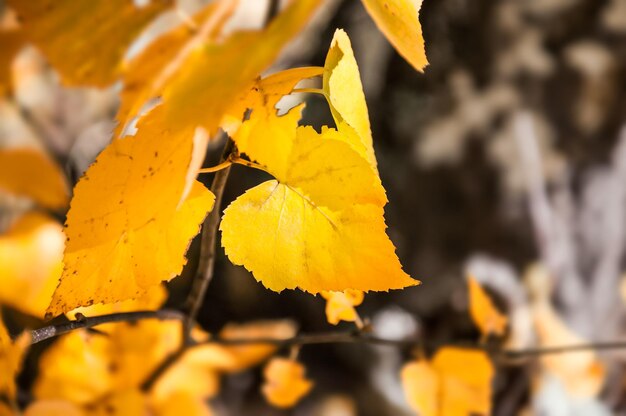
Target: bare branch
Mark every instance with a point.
(47, 332)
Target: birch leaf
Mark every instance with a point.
(340, 305)
(399, 21)
(130, 223)
(68, 31)
(11, 354)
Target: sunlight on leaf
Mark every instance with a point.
(129, 227)
(484, 314)
(28, 173)
(216, 70)
(399, 21)
(11, 41)
(67, 31)
(285, 382)
(53, 408)
(340, 305)
(456, 382)
(342, 85)
(31, 261)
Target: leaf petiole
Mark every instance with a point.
(215, 168)
(309, 90)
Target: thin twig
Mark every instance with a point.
(47, 332)
(206, 262)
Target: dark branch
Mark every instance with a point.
(47, 332)
(206, 262)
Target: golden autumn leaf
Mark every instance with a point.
(145, 73)
(455, 382)
(340, 305)
(285, 382)
(31, 255)
(29, 173)
(484, 314)
(83, 367)
(399, 21)
(216, 70)
(343, 89)
(421, 387)
(182, 404)
(132, 217)
(321, 220)
(11, 355)
(67, 31)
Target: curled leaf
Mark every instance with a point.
(484, 314)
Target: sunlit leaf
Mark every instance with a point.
(340, 305)
(216, 70)
(285, 382)
(456, 382)
(68, 32)
(342, 85)
(319, 227)
(484, 314)
(28, 173)
(31, 255)
(399, 21)
(53, 408)
(130, 223)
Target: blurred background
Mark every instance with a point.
(505, 159)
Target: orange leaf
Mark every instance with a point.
(130, 221)
(68, 32)
(483, 312)
(285, 383)
(455, 382)
(399, 21)
(31, 261)
(28, 173)
(11, 354)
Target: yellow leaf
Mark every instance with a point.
(421, 387)
(340, 305)
(216, 70)
(145, 73)
(5, 410)
(68, 32)
(11, 41)
(484, 314)
(83, 367)
(581, 372)
(130, 224)
(456, 382)
(264, 121)
(194, 374)
(53, 408)
(320, 227)
(74, 369)
(342, 86)
(28, 173)
(31, 254)
(11, 354)
(285, 383)
(399, 21)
